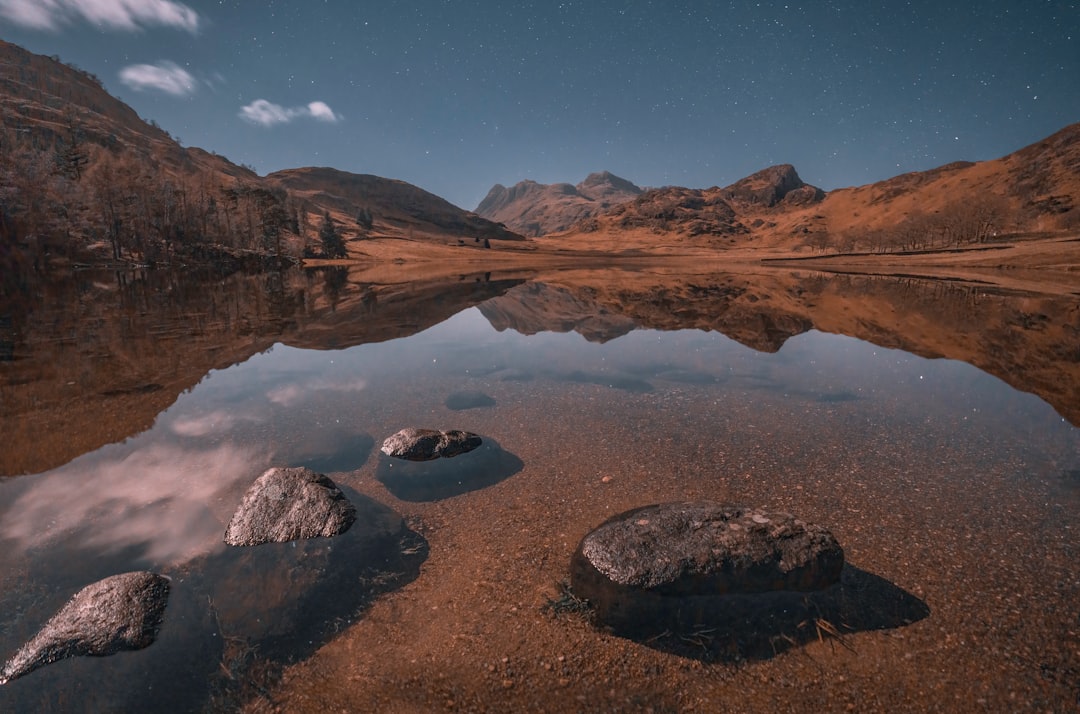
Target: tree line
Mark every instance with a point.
(62, 195)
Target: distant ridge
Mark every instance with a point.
(1035, 189)
(536, 209)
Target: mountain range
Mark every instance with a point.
(536, 209)
(83, 179)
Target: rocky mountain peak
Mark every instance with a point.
(537, 209)
(770, 186)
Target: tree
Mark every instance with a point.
(332, 243)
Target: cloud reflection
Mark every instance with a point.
(169, 501)
(289, 394)
(214, 422)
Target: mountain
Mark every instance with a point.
(605, 202)
(536, 209)
(771, 186)
(84, 179)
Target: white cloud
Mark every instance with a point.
(127, 15)
(166, 77)
(265, 113)
(322, 112)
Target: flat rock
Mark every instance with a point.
(699, 548)
(651, 559)
(427, 444)
(122, 612)
(287, 504)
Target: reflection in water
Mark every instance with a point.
(159, 498)
(824, 394)
(735, 628)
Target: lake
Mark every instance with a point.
(933, 427)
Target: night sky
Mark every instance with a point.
(457, 95)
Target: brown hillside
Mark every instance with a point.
(1036, 189)
(84, 179)
(395, 209)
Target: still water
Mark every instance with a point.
(932, 428)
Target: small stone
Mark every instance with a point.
(427, 444)
(460, 401)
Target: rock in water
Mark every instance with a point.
(290, 504)
(427, 444)
(648, 559)
(122, 612)
(460, 401)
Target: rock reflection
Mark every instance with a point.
(445, 478)
(734, 628)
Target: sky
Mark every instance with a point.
(458, 95)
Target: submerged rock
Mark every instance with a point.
(427, 444)
(460, 401)
(645, 562)
(290, 504)
(122, 612)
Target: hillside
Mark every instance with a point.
(83, 179)
(376, 207)
(536, 209)
(1035, 189)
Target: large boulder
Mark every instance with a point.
(427, 444)
(290, 504)
(122, 612)
(648, 562)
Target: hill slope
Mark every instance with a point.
(393, 208)
(83, 178)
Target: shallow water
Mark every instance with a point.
(137, 420)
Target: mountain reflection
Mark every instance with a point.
(95, 359)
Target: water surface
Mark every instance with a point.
(931, 427)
